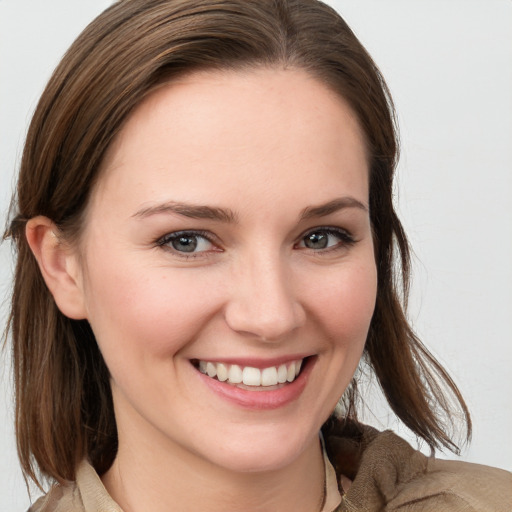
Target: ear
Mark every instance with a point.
(59, 266)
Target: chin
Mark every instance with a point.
(262, 451)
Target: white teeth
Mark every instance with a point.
(222, 372)
(269, 376)
(235, 374)
(211, 369)
(282, 373)
(291, 373)
(249, 376)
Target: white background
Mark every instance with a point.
(449, 67)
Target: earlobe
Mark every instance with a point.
(59, 266)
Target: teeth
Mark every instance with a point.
(269, 376)
(291, 373)
(250, 376)
(282, 373)
(211, 370)
(235, 374)
(222, 372)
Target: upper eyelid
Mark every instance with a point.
(329, 229)
(190, 232)
(215, 240)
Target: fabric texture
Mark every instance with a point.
(387, 475)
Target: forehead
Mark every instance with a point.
(256, 129)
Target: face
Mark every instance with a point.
(228, 268)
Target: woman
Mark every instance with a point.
(206, 241)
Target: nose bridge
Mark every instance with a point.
(262, 301)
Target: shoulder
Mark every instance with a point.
(86, 494)
(469, 486)
(388, 474)
(60, 498)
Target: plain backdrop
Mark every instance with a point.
(449, 66)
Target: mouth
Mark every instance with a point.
(257, 384)
(250, 377)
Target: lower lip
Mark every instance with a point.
(272, 399)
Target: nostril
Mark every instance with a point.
(267, 326)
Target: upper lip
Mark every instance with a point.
(255, 362)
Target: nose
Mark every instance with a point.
(262, 300)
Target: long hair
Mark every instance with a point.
(64, 409)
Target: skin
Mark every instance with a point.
(266, 145)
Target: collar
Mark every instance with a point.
(332, 494)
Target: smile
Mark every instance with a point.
(257, 385)
(250, 376)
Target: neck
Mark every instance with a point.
(177, 480)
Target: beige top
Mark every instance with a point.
(387, 473)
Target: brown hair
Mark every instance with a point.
(64, 408)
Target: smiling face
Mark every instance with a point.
(226, 244)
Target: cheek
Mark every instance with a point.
(139, 312)
(347, 302)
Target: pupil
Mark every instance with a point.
(316, 241)
(185, 244)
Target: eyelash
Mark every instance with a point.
(344, 237)
(345, 240)
(167, 239)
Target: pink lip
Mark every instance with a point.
(261, 400)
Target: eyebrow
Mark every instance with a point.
(226, 215)
(190, 211)
(333, 206)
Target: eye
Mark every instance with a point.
(325, 238)
(188, 242)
